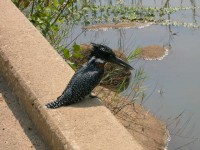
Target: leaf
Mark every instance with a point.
(70, 3)
(61, 20)
(55, 28)
(73, 65)
(86, 8)
(134, 54)
(62, 1)
(76, 51)
(55, 2)
(76, 47)
(66, 53)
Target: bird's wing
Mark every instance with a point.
(86, 82)
(77, 73)
(81, 86)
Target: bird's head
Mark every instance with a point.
(104, 53)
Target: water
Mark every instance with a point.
(178, 77)
(173, 82)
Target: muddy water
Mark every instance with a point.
(174, 82)
(175, 86)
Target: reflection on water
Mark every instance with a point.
(174, 83)
(177, 76)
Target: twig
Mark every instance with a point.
(32, 7)
(75, 38)
(61, 11)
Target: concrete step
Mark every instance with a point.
(37, 75)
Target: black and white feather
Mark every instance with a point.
(81, 85)
(87, 77)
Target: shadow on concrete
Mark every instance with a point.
(21, 116)
(87, 102)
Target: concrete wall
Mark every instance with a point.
(37, 75)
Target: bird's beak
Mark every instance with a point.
(121, 63)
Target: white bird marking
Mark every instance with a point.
(98, 60)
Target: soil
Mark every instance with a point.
(153, 52)
(150, 132)
(124, 24)
(16, 130)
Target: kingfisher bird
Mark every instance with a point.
(88, 76)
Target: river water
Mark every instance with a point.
(173, 84)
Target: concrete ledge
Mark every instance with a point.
(37, 75)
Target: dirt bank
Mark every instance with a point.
(153, 52)
(124, 24)
(149, 131)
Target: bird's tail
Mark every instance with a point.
(55, 104)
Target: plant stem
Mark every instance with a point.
(56, 19)
(75, 38)
(61, 11)
(32, 7)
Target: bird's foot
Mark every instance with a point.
(92, 95)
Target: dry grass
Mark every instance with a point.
(142, 125)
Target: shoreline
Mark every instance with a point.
(148, 130)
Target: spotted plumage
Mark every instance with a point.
(87, 77)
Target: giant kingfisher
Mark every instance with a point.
(87, 77)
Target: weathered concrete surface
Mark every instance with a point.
(16, 130)
(37, 75)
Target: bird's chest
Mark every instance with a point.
(99, 68)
